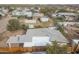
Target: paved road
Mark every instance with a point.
(3, 23)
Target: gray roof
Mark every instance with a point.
(52, 33)
(18, 39)
(65, 13)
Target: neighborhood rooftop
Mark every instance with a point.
(67, 14)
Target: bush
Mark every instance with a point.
(24, 27)
(13, 25)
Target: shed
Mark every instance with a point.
(44, 19)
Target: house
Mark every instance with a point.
(75, 45)
(31, 23)
(68, 18)
(75, 41)
(16, 13)
(68, 23)
(21, 12)
(64, 14)
(27, 13)
(44, 19)
(37, 38)
(31, 26)
(3, 11)
(37, 15)
(54, 15)
(67, 14)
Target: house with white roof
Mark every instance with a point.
(3, 11)
(37, 38)
(22, 13)
(31, 23)
(37, 15)
(54, 15)
(75, 42)
(68, 16)
(75, 45)
(44, 19)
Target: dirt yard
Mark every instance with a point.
(45, 24)
(5, 36)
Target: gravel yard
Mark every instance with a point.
(3, 23)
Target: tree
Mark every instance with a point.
(47, 10)
(24, 27)
(1, 37)
(62, 10)
(13, 25)
(56, 49)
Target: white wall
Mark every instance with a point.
(28, 44)
(43, 19)
(40, 41)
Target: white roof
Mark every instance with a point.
(31, 21)
(40, 40)
(28, 44)
(39, 37)
(43, 19)
(76, 41)
(22, 13)
(70, 23)
(68, 14)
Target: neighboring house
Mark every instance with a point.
(64, 14)
(68, 16)
(75, 45)
(28, 13)
(3, 11)
(44, 19)
(54, 15)
(75, 41)
(37, 15)
(31, 23)
(16, 13)
(68, 23)
(37, 38)
(22, 13)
